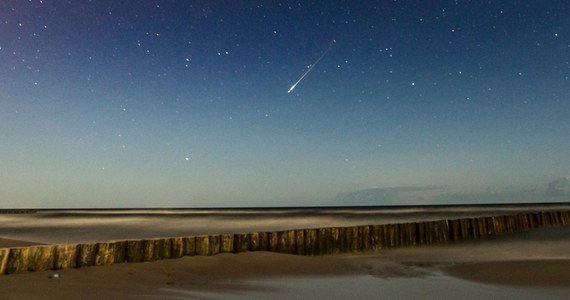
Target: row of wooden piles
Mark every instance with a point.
(320, 241)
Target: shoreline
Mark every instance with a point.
(524, 273)
(226, 275)
(446, 269)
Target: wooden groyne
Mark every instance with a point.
(318, 241)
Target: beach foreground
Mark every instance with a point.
(529, 265)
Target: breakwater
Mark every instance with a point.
(316, 241)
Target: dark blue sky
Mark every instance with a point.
(185, 103)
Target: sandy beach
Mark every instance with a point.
(528, 265)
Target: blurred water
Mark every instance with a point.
(75, 226)
(435, 286)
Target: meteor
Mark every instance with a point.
(310, 68)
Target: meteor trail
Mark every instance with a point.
(310, 68)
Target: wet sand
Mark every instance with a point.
(7, 243)
(263, 275)
(529, 265)
(541, 273)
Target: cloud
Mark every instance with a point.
(557, 190)
(403, 195)
(559, 187)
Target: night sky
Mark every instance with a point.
(186, 103)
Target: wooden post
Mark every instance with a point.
(335, 237)
(489, 225)
(375, 237)
(394, 233)
(531, 220)
(345, 239)
(134, 251)
(545, 219)
(253, 241)
(421, 233)
(120, 248)
(286, 241)
(215, 242)
(364, 237)
(105, 254)
(454, 230)
(443, 229)
(324, 243)
(165, 248)
(41, 258)
(227, 245)
(18, 260)
(465, 229)
(565, 215)
(203, 245)
(149, 250)
(4, 253)
(189, 244)
(86, 255)
(473, 228)
(177, 247)
(499, 224)
(413, 241)
(300, 242)
(273, 241)
(65, 256)
(263, 241)
(241, 242)
(311, 247)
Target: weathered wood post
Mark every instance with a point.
(203, 245)
(189, 244)
(227, 245)
(490, 226)
(215, 242)
(376, 237)
(272, 238)
(18, 260)
(443, 229)
(454, 230)
(499, 224)
(346, 239)
(324, 241)
(65, 256)
(241, 242)
(286, 241)
(134, 251)
(150, 250)
(166, 248)
(4, 253)
(422, 238)
(336, 240)
(403, 237)
(177, 247)
(254, 244)
(311, 243)
(263, 241)
(466, 232)
(120, 248)
(364, 237)
(300, 242)
(394, 235)
(105, 254)
(41, 258)
(86, 255)
(565, 217)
